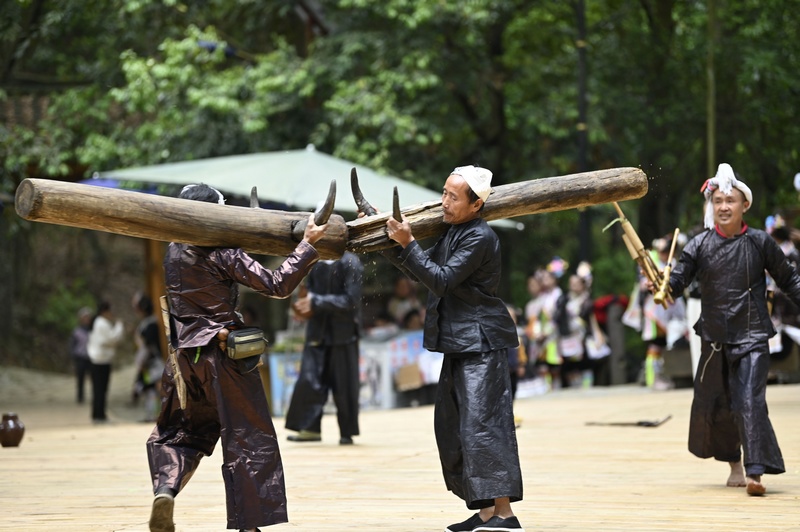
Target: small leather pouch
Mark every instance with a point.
(246, 343)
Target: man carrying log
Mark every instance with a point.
(465, 320)
(453, 276)
(224, 397)
(729, 419)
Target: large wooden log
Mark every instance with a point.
(517, 199)
(171, 219)
(271, 232)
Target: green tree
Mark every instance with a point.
(412, 88)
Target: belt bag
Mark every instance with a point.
(246, 343)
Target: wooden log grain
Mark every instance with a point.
(507, 201)
(168, 219)
(276, 232)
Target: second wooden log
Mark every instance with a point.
(517, 199)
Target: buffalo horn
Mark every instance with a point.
(321, 216)
(362, 204)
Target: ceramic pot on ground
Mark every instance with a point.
(11, 430)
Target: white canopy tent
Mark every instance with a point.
(298, 179)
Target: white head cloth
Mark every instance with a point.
(479, 179)
(220, 197)
(725, 181)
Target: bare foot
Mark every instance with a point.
(754, 486)
(736, 479)
(486, 513)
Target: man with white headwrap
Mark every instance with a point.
(729, 419)
(465, 320)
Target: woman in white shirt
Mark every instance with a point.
(104, 337)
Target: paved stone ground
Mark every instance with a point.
(70, 475)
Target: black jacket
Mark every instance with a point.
(730, 272)
(462, 273)
(335, 288)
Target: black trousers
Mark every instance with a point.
(729, 410)
(101, 378)
(474, 425)
(323, 370)
(83, 367)
(222, 403)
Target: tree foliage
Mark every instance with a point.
(413, 88)
(408, 87)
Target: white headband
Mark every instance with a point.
(220, 197)
(725, 181)
(479, 179)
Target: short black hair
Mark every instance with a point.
(102, 306)
(410, 314)
(144, 304)
(781, 233)
(200, 192)
(472, 197)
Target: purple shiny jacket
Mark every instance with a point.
(203, 286)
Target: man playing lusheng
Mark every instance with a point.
(225, 397)
(729, 410)
(465, 320)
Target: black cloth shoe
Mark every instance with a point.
(345, 440)
(466, 526)
(305, 435)
(498, 524)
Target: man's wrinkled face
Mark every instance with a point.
(729, 209)
(455, 201)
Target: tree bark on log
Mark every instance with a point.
(171, 219)
(275, 232)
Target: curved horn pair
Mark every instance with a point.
(364, 206)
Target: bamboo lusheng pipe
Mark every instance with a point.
(270, 232)
(663, 292)
(168, 219)
(641, 256)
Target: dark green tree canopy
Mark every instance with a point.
(412, 88)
